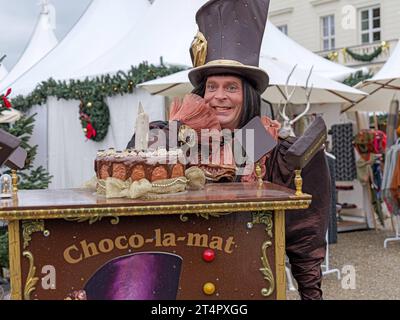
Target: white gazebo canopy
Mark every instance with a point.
(324, 90)
(382, 88)
(41, 42)
(98, 30)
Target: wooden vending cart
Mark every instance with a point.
(226, 241)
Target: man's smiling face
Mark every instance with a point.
(225, 95)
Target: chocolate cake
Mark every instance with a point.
(152, 165)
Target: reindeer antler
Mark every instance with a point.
(288, 95)
(308, 92)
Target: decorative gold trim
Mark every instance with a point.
(29, 227)
(298, 181)
(266, 218)
(15, 260)
(14, 181)
(204, 215)
(266, 271)
(199, 49)
(317, 145)
(259, 175)
(114, 220)
(31, 280)
(279, 217)
(155, 209)
(187, 135)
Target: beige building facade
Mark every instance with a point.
(332, 28)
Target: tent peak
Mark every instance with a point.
(41, 42)
(45, 6)
(48, 9)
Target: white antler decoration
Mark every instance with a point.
(287, 128)
(308, 92)
(288, 96)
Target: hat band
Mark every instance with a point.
(225, 63)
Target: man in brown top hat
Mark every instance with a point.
(228, 86)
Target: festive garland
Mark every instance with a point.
(364, 57)
(334, 55)
(93, 112)
(357, 77)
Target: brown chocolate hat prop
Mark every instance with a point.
(17, 159)
(8, 144)
(137, 276)
(255, 140)
(305, 148)
(229, 41)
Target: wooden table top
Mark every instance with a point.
(214, 198)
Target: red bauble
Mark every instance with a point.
(208, 255)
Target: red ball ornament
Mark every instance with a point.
(208, 255)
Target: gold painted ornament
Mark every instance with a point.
(209, 288)
(198, 50)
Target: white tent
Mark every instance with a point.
(169, 35)
(166, 30)
(58, 132)
(280, 47)
(100, 28)
(382, 88)
(41, 42)
(3, 72)
(324, 90)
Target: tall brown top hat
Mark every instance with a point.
(229, 41)
(137, 276)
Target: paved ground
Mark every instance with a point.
(377, 270)
(4, 290)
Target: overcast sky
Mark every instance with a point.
(18, 19)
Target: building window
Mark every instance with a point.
(283, 29)
(371, 25)
(328, 32)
